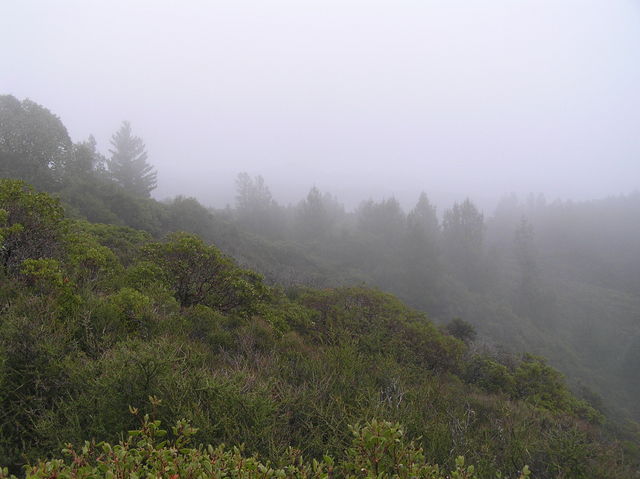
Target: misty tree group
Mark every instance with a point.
(35, 146)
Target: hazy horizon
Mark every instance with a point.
(361, 99)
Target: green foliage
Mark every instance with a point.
(45, 275)
(379, 322)
(210, 327)
(541, 385)
(34, 144)
(33, 378)
(145, 275)
(124, 242)
(132, 309)
(201, 274)
(31, 225)
(490, 375)
(378, 450)
(84, 161)
(90, 263)
(187, 214)
(459, 328)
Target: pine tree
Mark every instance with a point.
(256, 209)
(312, 220)
(463, 236)
(128, 163)
(420, 253)
(527, 293)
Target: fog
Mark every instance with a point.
(360, 98)
(477, 160)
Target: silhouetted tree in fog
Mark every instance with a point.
(423, 216)
(463, 236)
(523, 248)
(384, 221)
(312, 219)
(128, 163)
(84, 160)
(420, 253)
(256, 209)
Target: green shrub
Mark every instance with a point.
(132, 310)
(379, 450)
(490, 375)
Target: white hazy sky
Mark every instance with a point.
(361, 98)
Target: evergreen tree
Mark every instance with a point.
(420, 255)
(384, 221)
(128, 163)
(312, 221)
(523, 248)
(424, 218)
(530, 298)
(463, 235)
(256, 209)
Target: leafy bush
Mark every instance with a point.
(201, 274)
(379, 450)
(490, 375)
(30, 225)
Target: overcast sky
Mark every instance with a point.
(361, 98)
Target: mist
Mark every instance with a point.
(273, 220)
(362, 99)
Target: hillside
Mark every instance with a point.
(276, 326)
(99, 319)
